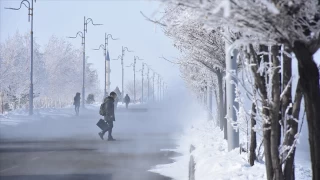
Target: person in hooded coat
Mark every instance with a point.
(109, 115)
(76, 103)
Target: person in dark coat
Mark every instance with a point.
(76, 103)
(127, 100)
(109, 115)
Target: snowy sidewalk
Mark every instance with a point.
(212, 159)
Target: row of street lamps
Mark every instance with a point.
(104, 47)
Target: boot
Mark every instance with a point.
(101, 135)
(110, 138)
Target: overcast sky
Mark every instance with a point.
(122, 19)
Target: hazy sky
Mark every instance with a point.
(122, 19)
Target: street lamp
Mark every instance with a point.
(142, 76)
(83, 36)
(30, 16)
(107, 69)
(134, 75)
(159, 87)
(154, 75)
(148, 77)
(121, 57)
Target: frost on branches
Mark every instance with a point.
(266, 33)
(57, 72)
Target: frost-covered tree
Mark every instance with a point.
(292, 23)
(57, 72)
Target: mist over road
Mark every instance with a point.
(59, 145)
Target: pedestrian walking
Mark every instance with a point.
(107, 110)
(76, 103)
(127, 100)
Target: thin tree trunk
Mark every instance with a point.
(309, 79)
(290, 136)
(220, 105)
(288, 123)
(261, 83)
(225, 121)
(275, 126)
(253, 141)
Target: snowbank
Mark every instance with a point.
(212, 159)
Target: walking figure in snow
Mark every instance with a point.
(119, 95)
(127, 100)
(76, 103)
(107, 110)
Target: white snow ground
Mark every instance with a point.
(213, 161)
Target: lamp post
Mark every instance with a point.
(134, 75)
(2, 108)
(107, 69)
(148, 73)
(159, 88)
(154, 75)
(30, 16)
(122, 65)
(83, 36)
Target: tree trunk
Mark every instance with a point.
(275, 107)
(289, 125)
(261, 83)
(220, 94)
(253, 141)
(309, 79)
(225, 121)
(290, 136)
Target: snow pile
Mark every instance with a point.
(18, 116)
(212, 159)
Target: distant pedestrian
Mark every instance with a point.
(127, 100)
(108, 113)
(76, 103)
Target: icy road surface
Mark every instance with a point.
(56, 145)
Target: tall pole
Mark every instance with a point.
(159, 83)
(142, 82)
(30, 15)
(105, 65)
(31, 73)
(134, 79)
(122, 66)
(107, 69)
(2, 95)
(83, 36)
(122, 73)
(84, 61)
(161, 98)
(231, 66)
(148, 83)
(153, 85)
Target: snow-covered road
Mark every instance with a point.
(56, 144)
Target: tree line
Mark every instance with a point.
(268, 35)
(57, 72)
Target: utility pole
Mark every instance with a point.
(148, 83)
(210, 101)
(159, 88)
(2, 108)
(231, 66)
(107, 69)
(134, 75)
(154, 74)
(122, 66)
(83, 36)
(30, 15)
(142, 82)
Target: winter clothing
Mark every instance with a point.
(109, 116)
(127, 100)
(76, 103)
